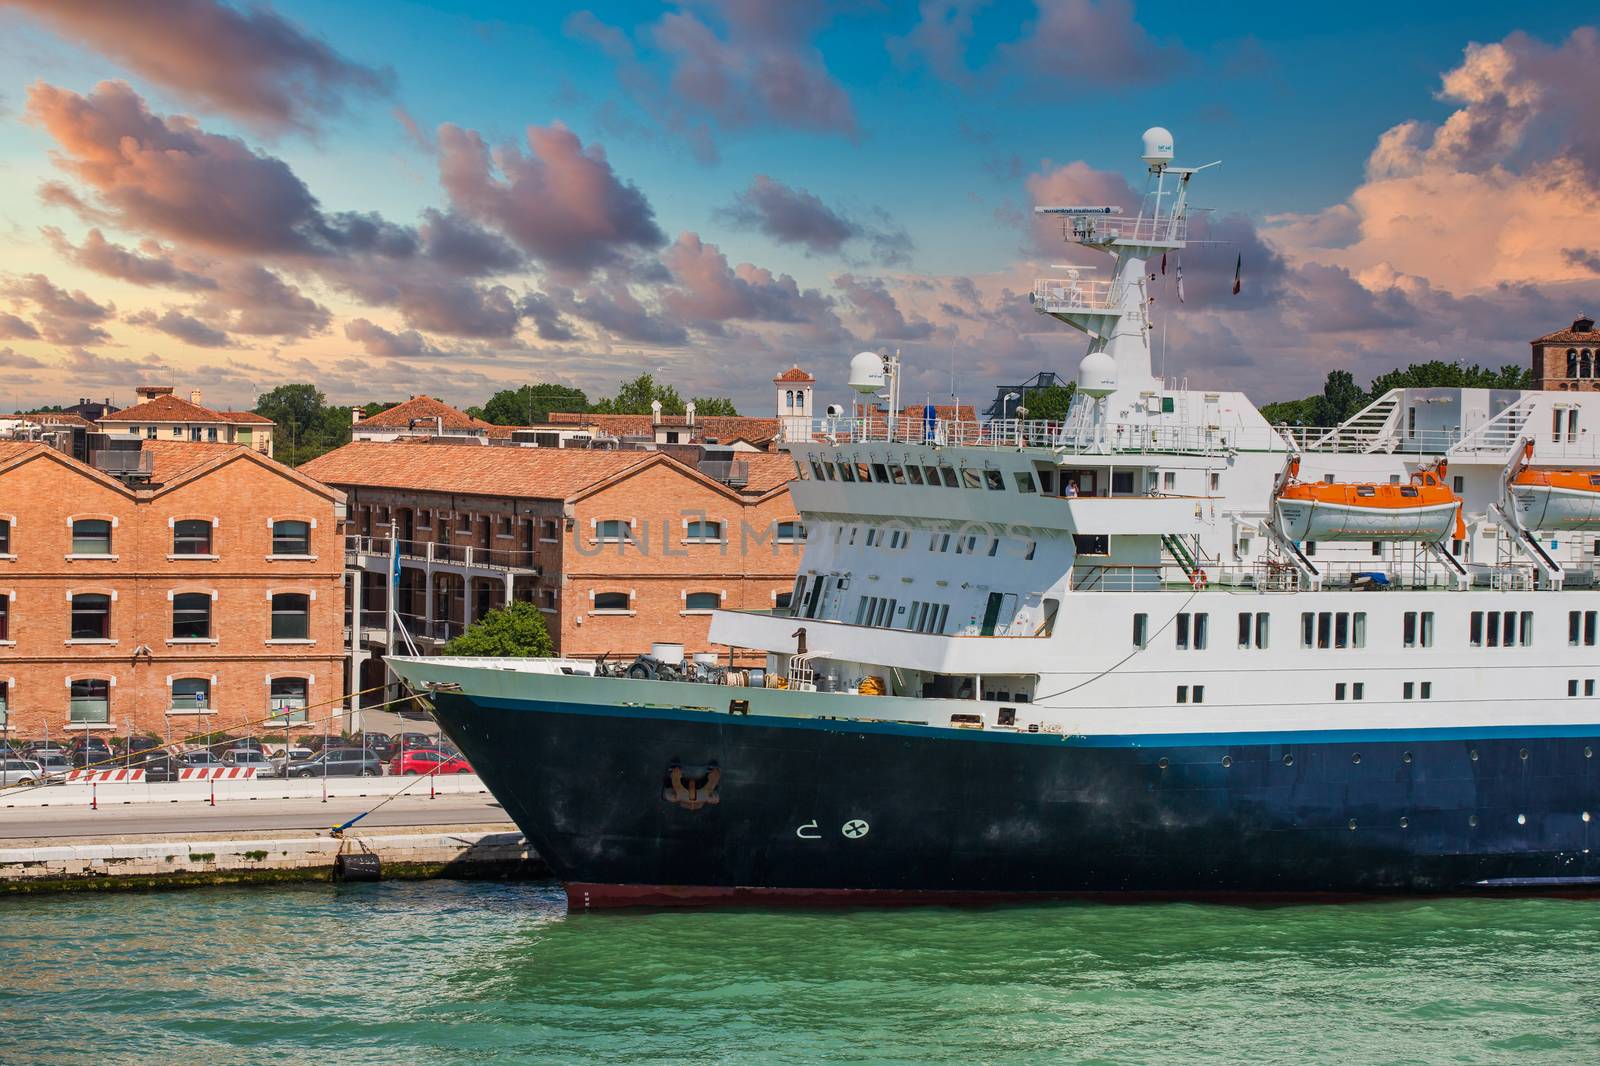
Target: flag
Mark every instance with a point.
(1237, 264)
(1180, 283)
(1163, 262)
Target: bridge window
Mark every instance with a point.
(1024, 481)
(913, 474)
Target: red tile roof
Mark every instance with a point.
(540, 473)
(246, 418)
(1581, 331)
(794, 373)
(164, 409)
(172, 459)
(57, 418)
(400, 416)
(768, 470)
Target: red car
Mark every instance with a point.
(427, 761)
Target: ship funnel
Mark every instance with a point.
(1157, 147)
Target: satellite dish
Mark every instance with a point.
(1097, 375)
(1157, 146)
(866, 373)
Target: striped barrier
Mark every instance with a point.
(215, 773)
(102, 776)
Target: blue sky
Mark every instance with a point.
(945, 153)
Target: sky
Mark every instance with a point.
(391, 197)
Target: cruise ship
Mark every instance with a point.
(1160, 649)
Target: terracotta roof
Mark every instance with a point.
(794, 373)
(768, 470)
(1581, 331)
(947, 411)
(57, 418)
(401, 415)
(722, 427)
(172, 459)
(543, 473)
(165, 409)
(245, 418)
(11, 449)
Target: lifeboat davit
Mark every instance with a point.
(1425, 510)
(1557, 499)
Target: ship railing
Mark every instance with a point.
(1140, 229)
(1257, 577)
(1076, 294)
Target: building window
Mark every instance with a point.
(547, 531)
(91, 702)
(191, 693)
(191, 536)
(91, 536)
(702, 531)
(149, 432)
(613, 531)
(191, 616)
(211, 434)
(5, 616)
(1253, 629)
(287, 701)
(790, 532)
(611, 601)
(291, 616)
(291, 536)
(5, 536)
(91, 616)
(782, 600)
(702, 601)
(1417, 629)
(1191, 630)
(5, 703)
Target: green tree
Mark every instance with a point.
(634, 398)
(516, 630)
(713, 405)
(530, 404)
(1049, 404)
(1341, 397)
(306, 425)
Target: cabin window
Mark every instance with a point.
(816, 469)
(1253, 629)
(863, 474)
(930, 474)
(1091, 544)
(970, 478)
(1191, 630)
(880, 473)
(1356, 691)
(1191, 693)
(1500, 629)
(913, 474)
(897, 474)
(1141, 630)
(1047, 482)
(948, 475)
(1024, 481)
(1581, 627)
(1333, 629)
(1417, 629)
(1408, 491)
(994, 481)
(1366, 490)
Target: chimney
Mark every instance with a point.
(355, 416)
(688, 410)
(655, 412)
(194, 397)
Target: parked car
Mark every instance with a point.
(222, 747)
(248, 757)
(158, 765)
(337, 762)
(39, 748)
(91, 751)
(55, 766)
(200, 757)
(428, 761)
(382, 743)
(20, 772)
(407, 741)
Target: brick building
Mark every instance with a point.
(620, 548)
(159, 415)
(201, 592)
(1568, 359)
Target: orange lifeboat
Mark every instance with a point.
(1425, 510)
(1555, 499)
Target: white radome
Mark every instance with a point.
(866, 372)
(1157, 145)
(1097, 375)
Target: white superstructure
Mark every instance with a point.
(1125, 571)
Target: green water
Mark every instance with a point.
(442, 972)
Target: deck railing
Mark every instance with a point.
(520, 560)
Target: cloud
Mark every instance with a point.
(252, 64)
(157, 267)
(708, 292)
(795, 216)
(562, 204)
(1075, 183)
(16, 329)
(731, 65)
(62, 317)
(611, 305)
(939, 39)
(175, 323)
(871, 300)
(1092, 43)
(1587, 258)
(382, 343)
(11, 359)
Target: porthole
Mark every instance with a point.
(1352, 823)
(1523, 754)
(1586, 816)
(1472, 819)
(1162, 762)
(1288, 760)
(1227, 761)
(1473, 754)
(1356, 758)
(1404, 822)
(1588, 753)
(1405, 756)
(1522, 819)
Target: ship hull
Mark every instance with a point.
(771, 810)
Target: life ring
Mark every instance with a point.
(1198, 579)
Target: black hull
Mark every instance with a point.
(804, 811)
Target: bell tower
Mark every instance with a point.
(794, 402)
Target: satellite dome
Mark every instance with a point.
(1097, 375)
(866, 373)
(1157, 146)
